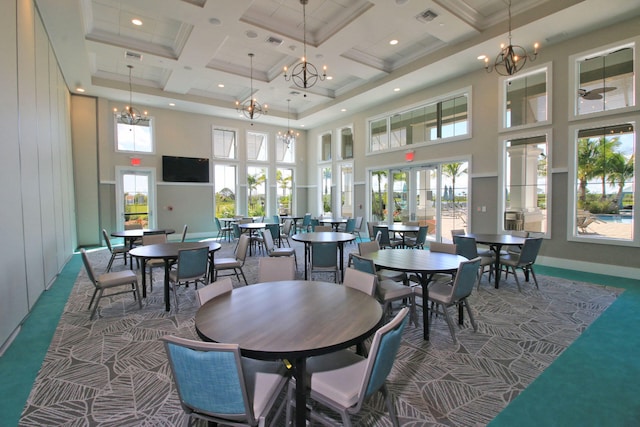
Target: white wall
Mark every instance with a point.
(37, 215)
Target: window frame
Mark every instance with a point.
(574, 78)
(507, 80)
(572, 193)
(503, 158)
(214, 128)
(266, 185)
(152, 132)
(321, 159)
(265, 149)
(341, 149)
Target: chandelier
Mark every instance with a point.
(289, 135)
(251, 108)
(304, 74)
(511, 58)
(131, 115)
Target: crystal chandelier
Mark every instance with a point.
(251, 108)
(511, 58)
(289, 135)
(131, 115)
(304, 74)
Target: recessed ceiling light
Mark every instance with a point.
(481, 57)
(393, 42)
(251, 34)
(79, 89)
(397, 89)
(301, 126)
(329, 77)
(343, 110)
(172, 104)
(215, 21)
(220, 85)
(136, 21)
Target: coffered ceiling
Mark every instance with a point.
(194, 53)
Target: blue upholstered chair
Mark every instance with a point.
(216, 384)
(467, 247)
(193, 267)
(324, 257)
(343, 380)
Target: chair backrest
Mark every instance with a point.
(306, 220)
(212, 290)
(412, 223)
(370, 230)
(382, 355)
(363, 264)
(236, 230)
(350, 226)
(274, 229)
(153, 238)
(133, 226)
(384, 235)
(421, 238)
(356, 279)
(314, 222)
(243, 246)
(268, 240)
(193, 263)
(466, 278)
(245, 220)
(358, 223)
(218, 225)
(448, 248)
(324, 254)
(88, 267)
(184, 233)
(319, 228)
(276, 219)
(273, 269)
(368, 247)
(107, 240)
(209, 378)
(530, 250)
(466, 246)
(286, 227)
(457, 232)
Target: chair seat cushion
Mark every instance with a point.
(222, 263)
(512, 260)
(390, 290)
(396, 276)
(263, 378)
(116, 278)
(341, 385)
(440, 292)
(282, 252)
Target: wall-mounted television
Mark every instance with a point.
(185, 169)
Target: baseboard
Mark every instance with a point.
(9, 340)
(590, 267)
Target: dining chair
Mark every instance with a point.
(383, 274)
(214, 289)
(273, 251)
(106, 281)
(360, 280)
(420, 239)
(276, 269)
(516, 249)
(447, 248)
(358, 228)
(384, 239)
(324, 258)
(153, 238)
(445, 295)
(184, 233)
(235, 263)
(287, 228)
(223, 232)
(524, 260)
(372, 236)
(134, 226)
(306, 222)
(235, 227)
(116, 251)
(350, 226)
(216, 384)
(274, 229)
(322, 228)
(467, 247)
(387, 291)
(193, 267)
(342, 381)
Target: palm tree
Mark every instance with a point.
(453, 170)
(620, 171)
(379, 175)
(606, 151)
(284, 184)
(587, 165)
(253, 182)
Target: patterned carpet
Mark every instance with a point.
(113, 371)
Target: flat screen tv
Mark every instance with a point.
(185, 169)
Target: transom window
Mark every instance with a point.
(224, 143)
(433, 122)
(257, 146)
(325, 147)
(525, 99)
(138, 138)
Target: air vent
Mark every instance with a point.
(426, 16)
(274, 41)
(294, 93)
(132, 56)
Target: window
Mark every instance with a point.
(435, 121)
(346, 190)
(284, 182)
(285, 151)
(325, 182)
(525, 99)
(256, 190)
(603, 189)
(257, 146)
(378, 186)
(225, 189)
(525, 184)
(134, 138)
(604, 80)
(325, 147)
(224, 143)
(346, 143)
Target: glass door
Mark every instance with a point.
(135, 198)
(400, 200)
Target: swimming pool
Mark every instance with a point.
(624, 219)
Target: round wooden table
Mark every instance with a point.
(403, 229)
(421, 262)
(252, 226)
(496, 242)
(324, 237)
(335, 222)
(131, 236)
(290, 320)
(169, 252)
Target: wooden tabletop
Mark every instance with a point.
(253, 225)
(415, 260)
(289, 319)
(333, 220)
(496, 239)
(138, 232)
(403, 228)
(170, 249)
(323, 237)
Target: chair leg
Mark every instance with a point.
(515, 274)
(388, 398)
(243, 276)
(136, 294)
(111, 262)
(472, 320)
(95, 307)
(93, 297)
(533, 273)
(447, 317)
